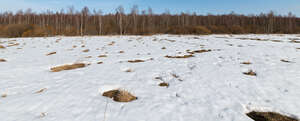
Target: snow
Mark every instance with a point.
(208, 87)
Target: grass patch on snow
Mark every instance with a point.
(269, 116)
(119, 95)
(68, 67)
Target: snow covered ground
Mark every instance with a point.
(210, 86)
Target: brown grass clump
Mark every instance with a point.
(2, 60)
(250, 73)
(120, 95)
(4, 95)
(100, 62)
(246, 63)
(283, 60)
(183, 56)
(87, 50)
(269, 116)
(135, 61)
(51, 53)
(121, 52)
(102, 56)
(295, 41)
(112, 43)
(163, 48)
(13, 44)
(41, 90)
(164, 84)
(199, 51)
(2, 47)
(68, 67)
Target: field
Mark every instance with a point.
(170, 77)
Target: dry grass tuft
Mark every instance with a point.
(294, 41)
(120, 95)
(198, 51)
(12, 44)
(102, 56)
(100, 62)
(164, 84)
(4, 95)
(112, 43)
(2, 47)
(283, 60)
(250, 73)
(51, 53)
(246, 63)
(276, 40)
(183, 56)
(2, 60)
(163, 48)
(121, 52)
(68, 67)
(86, 50)
(136, 61)
(269, 116)
(41, 90)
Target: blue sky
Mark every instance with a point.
(175, 6)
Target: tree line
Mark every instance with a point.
(71, 22)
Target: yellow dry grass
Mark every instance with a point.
(68, 67)
(119, 95)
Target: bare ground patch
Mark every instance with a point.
(68, 67)
(269, 116)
